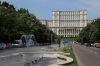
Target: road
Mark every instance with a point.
(6, 52)
(87, 56)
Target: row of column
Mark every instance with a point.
(68, 31)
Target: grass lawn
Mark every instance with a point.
(74, 63)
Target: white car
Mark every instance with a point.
(18, 43)
(2, 45)
(94, 45)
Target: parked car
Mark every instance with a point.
(8, 45)
(2, 46)
(97, 45)
(92, 44)
(81, 43)
(87, 44)
(18, 43)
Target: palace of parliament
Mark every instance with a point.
(67, 23)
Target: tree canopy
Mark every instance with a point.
(91, 33)
(16, 22)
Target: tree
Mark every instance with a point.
(90, 33)
(14, 23)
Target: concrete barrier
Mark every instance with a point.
(61, 53)
(61, 57)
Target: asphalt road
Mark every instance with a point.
(87, 56)
(6, 52)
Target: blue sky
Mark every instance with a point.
(42, 9)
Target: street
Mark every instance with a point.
(87, 56)
(18, 50)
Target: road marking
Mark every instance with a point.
(15, 54)
(96, 52)
(90, 50)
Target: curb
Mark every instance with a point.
(15, 54)
(61, 55)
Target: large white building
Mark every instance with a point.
(67, 23)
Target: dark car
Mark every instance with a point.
(88, 44)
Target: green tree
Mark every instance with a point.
(14, 23)
(90, 33)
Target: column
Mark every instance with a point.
(63, 31)
(57, 31)
(66, 32)
(74, 31)
(71, 32)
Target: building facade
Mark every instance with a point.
(67, 23)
